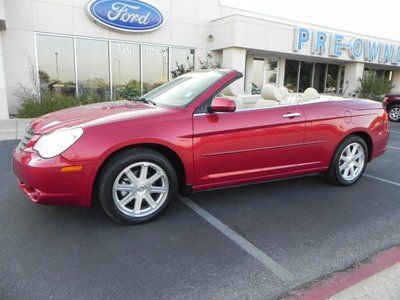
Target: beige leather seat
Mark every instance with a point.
(284, 92)
(227, 92)
(270, 96)
(310, 94)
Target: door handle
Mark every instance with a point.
(292, 115)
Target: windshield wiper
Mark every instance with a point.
(144, 100)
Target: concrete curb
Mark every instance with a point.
(364, 278)
(12, 129)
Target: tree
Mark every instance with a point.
(373, 86)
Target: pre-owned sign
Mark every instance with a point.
(125, 15)
(322, 43)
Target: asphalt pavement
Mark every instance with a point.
(224, 244)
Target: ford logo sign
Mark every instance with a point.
(125, 15)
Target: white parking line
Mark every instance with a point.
(267, 261)
(383, 180)
(391, 147)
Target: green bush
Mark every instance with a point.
(373, 86)
(33, 106)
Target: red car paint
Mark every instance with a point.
(215, 149)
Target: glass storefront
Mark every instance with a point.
(125, 70)
(264, 71)
(332, 79)
(325, 78)
(319, 81)
(306, 75)
(291, 75)
(155, 72)
(107, 69)
(388, 74)
(56, 64)
(93, 68)
(181, 61)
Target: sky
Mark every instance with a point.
(375, 18)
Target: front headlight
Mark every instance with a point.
(55, 143)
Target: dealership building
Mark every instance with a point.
(76, 46)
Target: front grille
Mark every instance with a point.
(28, 135)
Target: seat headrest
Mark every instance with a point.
(270, 92)
(310, 94)
(227, 91)
(284, 92)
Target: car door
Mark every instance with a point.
(247, 145)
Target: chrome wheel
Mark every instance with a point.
(351, 162)
(394, 113)
(140, 189)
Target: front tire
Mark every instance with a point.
(394, 113)
(136, 185)
(349, 162)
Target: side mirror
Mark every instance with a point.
(221, 104)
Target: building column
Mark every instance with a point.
(235, 58)
(396, 81)
(352, 75)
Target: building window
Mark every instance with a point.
(93, 68)
(106, 69)
(319, 77)
(181, 61)
(257, 75)
(263, 71)
(306, 74)
(332, 79)
(299, 76)
(125, 70)
(291, 75)
(271, 71)
(155, 66)
(56, 64)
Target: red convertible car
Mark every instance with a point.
(193, 134)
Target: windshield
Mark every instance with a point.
(183, 89)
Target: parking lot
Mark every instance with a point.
(249, 242)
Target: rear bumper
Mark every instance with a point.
(43, 181)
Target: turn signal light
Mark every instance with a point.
(71, 169)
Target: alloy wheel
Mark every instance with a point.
(394, 113)
(351, 162)
(140, 189)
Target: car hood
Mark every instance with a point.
(94, 114)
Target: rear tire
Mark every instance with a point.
(136, 185)
(394, 113)
(349, 162)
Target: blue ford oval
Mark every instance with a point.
(125, 15)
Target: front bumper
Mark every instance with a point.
(43, 181)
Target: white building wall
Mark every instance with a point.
(187, 24)
(353, 74)
(235, 58)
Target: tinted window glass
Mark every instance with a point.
(155, 66)
(125, 67)
(182, 61)
(56, 63)
(93, 71)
